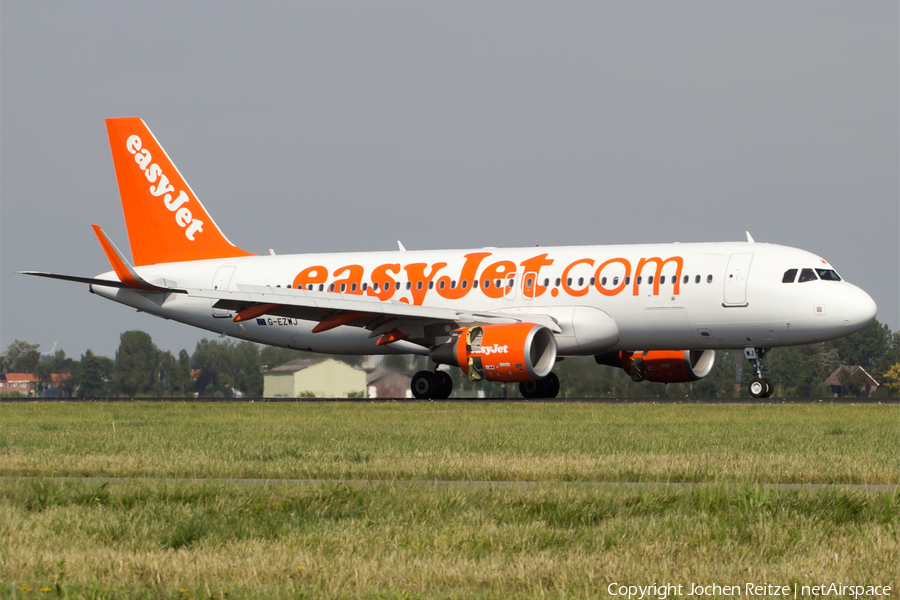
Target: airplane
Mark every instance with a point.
(657, 311)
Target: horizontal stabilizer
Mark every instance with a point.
(100, 282)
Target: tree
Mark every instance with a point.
(135, 370)
(865, 347)
(58, 365)
(93, 375)
(891, 379)
(20, 357)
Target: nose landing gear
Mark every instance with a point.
(760, 387)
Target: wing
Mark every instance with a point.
(389, 321)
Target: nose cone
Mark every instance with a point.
(859, 309)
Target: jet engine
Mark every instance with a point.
(512, 352)
(662, 366)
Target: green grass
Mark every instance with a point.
(387, 539)
(150, 540)
(827, 443)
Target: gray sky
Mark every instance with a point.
(344, 126)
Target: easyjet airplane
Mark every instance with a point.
(658, 311)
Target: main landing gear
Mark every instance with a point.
(760, 387)
(438, 385)
(548, 387)
(432, 385)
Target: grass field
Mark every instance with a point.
(528, 442)
(147, 539)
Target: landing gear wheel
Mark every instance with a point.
(530, 389)
(551, 386)
(758, 387)
(548, 387)
(424, 385)
(770, 389)
(445, 385)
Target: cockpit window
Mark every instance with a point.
(828, 275)
(789, 276)
(807, 275)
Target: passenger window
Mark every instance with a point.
(498, 283)
(528, 282)
(558, 280)
(396, 285)
(807, 275)
(568, 281)
(474, 283)
(697, 279)
(365, 286)
(686, 279)
(603, 281)
(628, 280)
(510, 283)
(343, 287)
(331, 288)
(789, 276)
(452, 284)
(709, 279)
(662, 279)
(352, 287)
(638, 279)
(546, 282)
(321, 286)
(289, 286)
(409, 285)
(486, 284)
(824, 275)
(650, 279)
(441, 284)
(430, 285)
(616, 280)
(593, 281)
(465, 283)
(418, 285)
(580, 281)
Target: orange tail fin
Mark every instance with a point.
(165, 220)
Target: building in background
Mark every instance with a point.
(851, 381)
(319, 377)
(387, 383)
(21, 383)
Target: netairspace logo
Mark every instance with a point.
(750, 590)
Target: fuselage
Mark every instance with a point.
(604, 298)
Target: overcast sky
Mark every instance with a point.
(336, 126)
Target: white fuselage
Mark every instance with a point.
(689, 296)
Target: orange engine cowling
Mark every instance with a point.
(513, 352)
(662, 366)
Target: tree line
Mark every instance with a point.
(225, 368)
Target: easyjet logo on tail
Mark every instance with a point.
(160, 186)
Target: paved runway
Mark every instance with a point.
(492, 400)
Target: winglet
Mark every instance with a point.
(124, 271)
(750, 239)
(400, 246)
